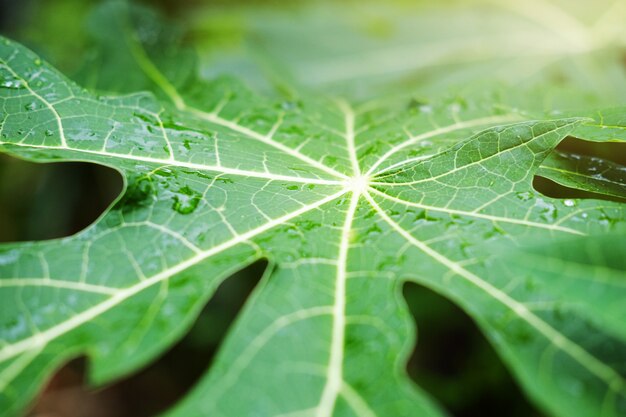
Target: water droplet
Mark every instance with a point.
(30, 106)
(569, 203)
(426, 109)
(390, 263)
(9, 256)
(524, 196)
(224, 180)
(293, 232)
(139, 194)
(307, 225)
(186, 200)
(607, 220)
(290, 105)
(330, 160)
(415, 103)
(16, 84)
(423, 217)
(494, 232)
(292, 187)
(164, 172)
(530, 284)
(49, 132)
(373, 230)
(547, 211)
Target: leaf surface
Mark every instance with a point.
(559, 51)
(585, 173)
(346, 200)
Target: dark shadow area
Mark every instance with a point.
(552, 189)
(610, 151)
(12, 14)
(163, 383)
(613, 151)
(46, 201)
(455, 363)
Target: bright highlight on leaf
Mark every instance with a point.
(347, 199)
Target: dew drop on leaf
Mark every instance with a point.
(394, 214)
(547, 211)
(308, 225)
(524, 196)
(423, 217)
(186, 200)
(426, 109)
(12, 83)
(331, 160)
(569, 203)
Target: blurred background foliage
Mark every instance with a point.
(538, 55)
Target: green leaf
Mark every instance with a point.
(594, 267)
(346, 200)
(586, 173)
(608, 125)
(552, 53)
(556, 51)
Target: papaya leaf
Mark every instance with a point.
(347, 200)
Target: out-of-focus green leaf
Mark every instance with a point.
(586, 173)
(556, 47)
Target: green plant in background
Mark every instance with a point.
(347, 195)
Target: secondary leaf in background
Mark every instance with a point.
(551, 53)
(585, 173)
(558, 49)
(591, 173)
(217, 178)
